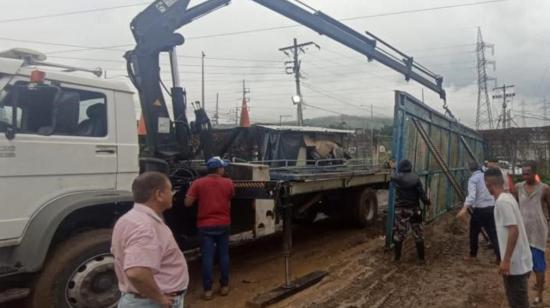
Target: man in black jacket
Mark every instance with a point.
(408, 215)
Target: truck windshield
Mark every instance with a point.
(34, 106)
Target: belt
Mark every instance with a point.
(484, 208)
(175, 293)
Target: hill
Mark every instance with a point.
(347, 122)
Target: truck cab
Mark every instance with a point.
(68, 155)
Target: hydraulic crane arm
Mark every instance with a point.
(326, 25)
(154, 33)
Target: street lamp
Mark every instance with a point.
(296, 99)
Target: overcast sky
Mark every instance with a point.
(337, 78)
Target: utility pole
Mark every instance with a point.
(237, 109)
(246, 95)
(202, 83)
(523, 122)
(505, 94)
(545, 112)
(484, 114)
(245, 92)
(373, 147)
(217, 114)
(245, 116)
(293, 68)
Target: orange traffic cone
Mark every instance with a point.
(245, 119)
(142, 130)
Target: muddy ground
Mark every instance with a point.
(362, 273)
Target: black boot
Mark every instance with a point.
(397, 250)
(420, 252)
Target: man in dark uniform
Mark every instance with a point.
(408, 214)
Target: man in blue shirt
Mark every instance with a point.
(482, 204)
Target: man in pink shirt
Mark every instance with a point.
(150, 267)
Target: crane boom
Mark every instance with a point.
(154, 33)
(336, 30)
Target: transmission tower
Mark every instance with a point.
(484, 114)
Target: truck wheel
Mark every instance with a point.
(364, 207)
(78, 273)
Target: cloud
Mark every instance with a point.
(442, 40)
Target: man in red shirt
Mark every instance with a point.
(213, 193)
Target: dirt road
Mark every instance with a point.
(362, 273)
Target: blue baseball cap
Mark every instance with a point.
(216, 162)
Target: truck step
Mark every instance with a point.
(13, 294)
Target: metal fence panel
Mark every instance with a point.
(446, 136)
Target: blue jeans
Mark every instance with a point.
(214, 239)
(128, 300)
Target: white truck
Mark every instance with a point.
(68, 155)
(69, 152)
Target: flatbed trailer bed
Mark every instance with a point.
(294, 181)
(304, 183)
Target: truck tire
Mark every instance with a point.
(363, 207)
(78, 273)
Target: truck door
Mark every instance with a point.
(64, 141)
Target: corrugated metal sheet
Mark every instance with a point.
(445, 134)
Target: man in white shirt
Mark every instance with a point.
(515, 253)
(481, 205)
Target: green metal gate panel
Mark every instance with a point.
(445, 134)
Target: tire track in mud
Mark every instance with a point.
(365, 276)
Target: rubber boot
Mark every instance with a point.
(397, 250)
(420, 252)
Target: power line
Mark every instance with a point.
(326, 94)
(443, 47)
(73, 13)
(264, 69)
(59, 44)
(289, 26)
(323, 109)
(425, 9)
(403, 12)
(317, 76)
(167, 64)
(331, 96)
